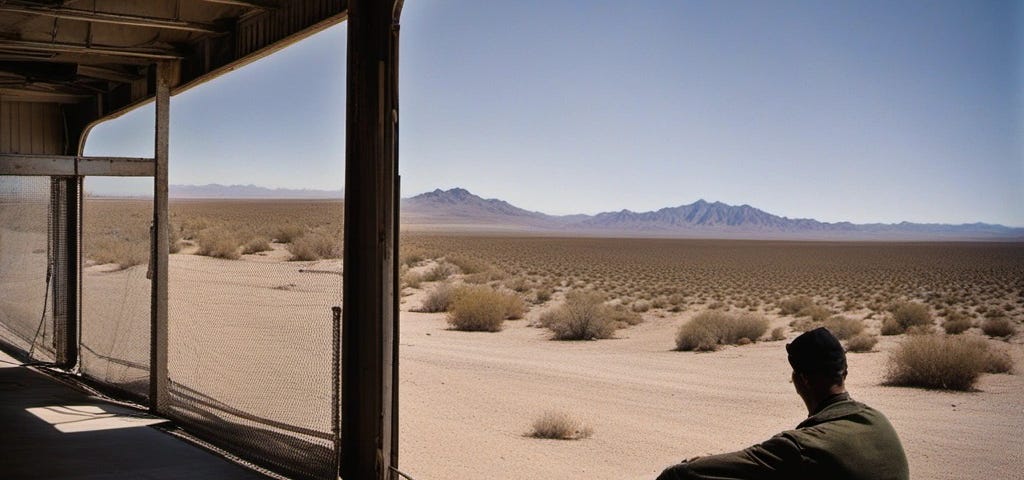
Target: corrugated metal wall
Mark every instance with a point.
(31, 128)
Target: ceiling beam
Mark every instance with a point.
(110, 74)
(58, 47)
(18, 94)
(247, 3)
(105, 17)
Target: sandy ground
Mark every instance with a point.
(256, 334)
(468, 398)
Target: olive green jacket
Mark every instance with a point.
(844, 440)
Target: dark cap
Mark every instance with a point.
(817, 351)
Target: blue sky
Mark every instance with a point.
(859, 111)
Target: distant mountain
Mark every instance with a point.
(215, 190)
(458, 208)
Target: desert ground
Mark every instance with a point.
(251, 329)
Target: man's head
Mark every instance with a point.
(819, 366)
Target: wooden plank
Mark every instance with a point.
(369, 296)
(116, 167)
(67, 165)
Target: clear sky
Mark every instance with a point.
(860, 111)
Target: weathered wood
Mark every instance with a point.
(158, 380)
(106, 17)
(369, 293)
(61, 47)
(65, 165)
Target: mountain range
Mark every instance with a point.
(459, 209)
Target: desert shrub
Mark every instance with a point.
(123, 252)
(514, 305)
(956, 322)
(583, 316)
(256, 245)
(467, 265)
(908, 314)
(412, 279)
(174, 238)
(817, 313)
(623, 317)
(542, 295)
(891, 327)
(920, 330)
(778, 333)
(516, 284)
(804, 324)
(843, 327)
(481, 308)
(998, 360)
(861, 343)
(486, 276)
(793, 305)
(217, 242)
(559, 426)
(440, 271)
(438, 299)
(411, 256)
(478, 309)
(937, 361)
(314, 246)
(641, 306)
(998, 327)
(287, 233)
(711, 328)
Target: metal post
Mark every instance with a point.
(158, 325)
(336, 383)
(369, 294)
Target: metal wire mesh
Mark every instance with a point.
(26, 266)
(116, 292)
(250, 358)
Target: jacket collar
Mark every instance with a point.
(834, 407)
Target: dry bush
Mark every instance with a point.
(514, 306)
(921, 330)
(908, 314)
(817, 313)
(957, 322)
(467, 265)
(287, 233)
(843, 327)
(891, 327)
(778, 333)
(438, 299)
(482, 308)
(998, 360)
(121, 252)
(641, 306)
(938, 362)
(217, 242)
(861, 343)
(804, 325)
(410, 256)
(998, 327)
(314, 246)
(542, 295)
(411, 279)
(559, 426)
(793, 305)
(623, 317)
(711, 328)
(583, 316)
(440, 271)
(256, 245)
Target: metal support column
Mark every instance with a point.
(161, 248)
(371, 169)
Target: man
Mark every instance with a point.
(840, 439)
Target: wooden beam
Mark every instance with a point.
(106, 17)
(246, 3)
(22, 95)
(371, 167)
(68, 165)
(110, 51)
(158, 379)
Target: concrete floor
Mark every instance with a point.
(49, 430)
